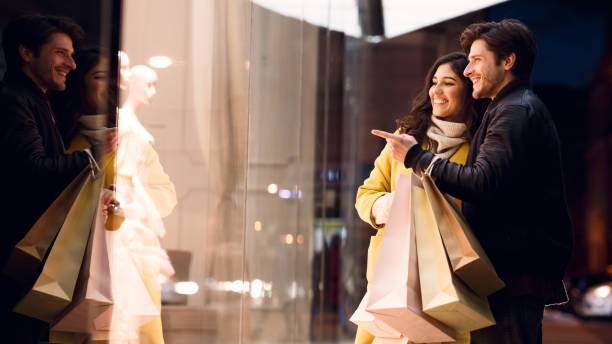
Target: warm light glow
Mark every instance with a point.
(300, 239)
(257, 226)
(272, 188)
(288, 239)
(603, 291)
(160, 62)
(186, 288)
(257, 289)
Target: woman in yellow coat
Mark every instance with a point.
(442, 118)
(78, 111)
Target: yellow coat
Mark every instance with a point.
(80, 142)
(382, 180)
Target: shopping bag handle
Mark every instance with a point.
(93, 164)
(431, 165)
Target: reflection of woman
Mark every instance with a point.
(441, 119)
(79, 107)
(82, 122)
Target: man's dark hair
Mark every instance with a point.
(34, 30)
(504, 38)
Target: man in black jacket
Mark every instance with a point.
(35, 169)
(511, 185)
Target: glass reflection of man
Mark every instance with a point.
(38, 51)
(146, 194)
(511, 184)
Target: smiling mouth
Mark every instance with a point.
(440, 101)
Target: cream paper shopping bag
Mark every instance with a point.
(395, 297)
(444, 296)
(53, 290)
(368, 321)
(93, 293)
(467, 257)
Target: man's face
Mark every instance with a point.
(48, 68)
(487, 74)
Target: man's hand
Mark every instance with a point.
(399, 145)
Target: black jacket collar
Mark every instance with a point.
(508, 89)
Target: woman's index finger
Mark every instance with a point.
(384, 134)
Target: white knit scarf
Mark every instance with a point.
(93, 127)
(446, 137)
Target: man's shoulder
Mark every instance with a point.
(10, 92)
(523, 102)
(14, 96)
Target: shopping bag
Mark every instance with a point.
(444, 296)
(382, 340)
(24, 262)
(132, 304)
(395, 297)
(368, 321)
(467, 257)
(93, 293)
(53, 290)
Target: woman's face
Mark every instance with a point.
(96, 87)
(447, 94)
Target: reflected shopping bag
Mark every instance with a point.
(467, 257)
(24, 262)
(444, 296)
(132, 304)
(395, 296)
(93, 293)
(53, 290)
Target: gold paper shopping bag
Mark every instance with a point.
(53, 290)
(395, 297)
(467, 257)
(26, 258)
(444, 296)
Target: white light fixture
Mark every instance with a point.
(186, 288)
(272, 188)
(284, 193)
(399, 16)
(257, 226)
(160, 62)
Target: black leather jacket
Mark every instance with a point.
(512, 186)
(34, 169)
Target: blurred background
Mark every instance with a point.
(262, 119)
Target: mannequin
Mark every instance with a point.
(124, 70)
(146, 195)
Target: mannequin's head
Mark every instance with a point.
(124, 70)
(142, 81)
